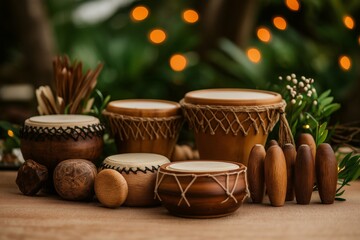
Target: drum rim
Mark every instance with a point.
(163, 168)
(275, 98)
(145, 112)
(92, 121)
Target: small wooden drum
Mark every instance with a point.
(146, 126)
(229, 122)
(50, 139)
(201, 189)
(139, 170)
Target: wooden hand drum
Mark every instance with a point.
(201, 189)
(227, 123)
(144, 126)
(50, 139)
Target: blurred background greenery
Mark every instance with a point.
(165, 48)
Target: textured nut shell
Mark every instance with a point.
(275, 175)
(111, 188)
(304, 175)
(74, 179)
(326, 173)
(290, 157)
(31, 177)
(255, 175)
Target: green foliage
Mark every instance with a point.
(9, 133)
(349, 171)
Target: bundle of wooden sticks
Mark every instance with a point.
(73, 88)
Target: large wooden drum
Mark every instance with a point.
(144, 126)
(227, 123)
(50, 139)
(201, 189)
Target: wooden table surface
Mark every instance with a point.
(49, 217)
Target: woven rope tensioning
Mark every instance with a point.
(238, 119)
(128, 127)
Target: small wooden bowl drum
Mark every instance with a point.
(201, 189)
(139, 171)
(144, 126)
(227, 123)
(50, 139)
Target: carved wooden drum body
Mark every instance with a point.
(50, 139)
(139, 171)
(201, 189)
(144, 126)
(227, 123)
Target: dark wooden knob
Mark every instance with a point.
(31, 177)
(304, 175)
(275, 175)
(326, 173)
(255, 173)
(290, 157)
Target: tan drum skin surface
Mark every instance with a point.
(49, 217)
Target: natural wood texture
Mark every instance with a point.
(307, 138)
(304, 174)
(326, 173)
(272, 142)
(111, 188)
(275, 175)
(256, 174)
(183, 153)
(74, 179)
(290, 157)
(31, 177)
(49, 217)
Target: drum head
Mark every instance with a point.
(232, 96)
(61, 120)
(202, 166)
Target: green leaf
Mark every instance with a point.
(324, 95)
(340, 199)
(328, 110)
(322, 137)
(326, 101)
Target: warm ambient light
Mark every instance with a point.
(264, 34)
(139, 13)
(254, 55)
(190, 16)
(349, 22)
(293, 5)
(279, 23)
(157, 36)
(10, 133)
(345, 62)
(178, 62)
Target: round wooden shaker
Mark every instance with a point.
(139, 171)
(326, 173)
(275, 175)
(255, 173)
(304, 175)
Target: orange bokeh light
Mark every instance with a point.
(349, 22)
(178, 62)
(254, 55)
(280, 23)
(345, 62)
(264, 34)
(190, 16)
(139, 13)
(293, 5)
(157, 36)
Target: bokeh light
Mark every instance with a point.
(264, 34)
(254, 55)
(190, 16)
(280, 23)
(10, 133)
(349, 22)
(157, 36)
(345, 62)
(139, 13)
(178, 62)
(293, 5)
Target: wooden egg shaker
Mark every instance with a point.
(256, 174)
(139, 171)
(144, 126)
(304, 175)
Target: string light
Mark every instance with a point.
(348, 22)
(345, 62)
(254, 55)
(178, 62)
(293, 5)
(139, 13)
(10, 133)
(264, 34)
(190, 16)
(279, 23)
(157, 36)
